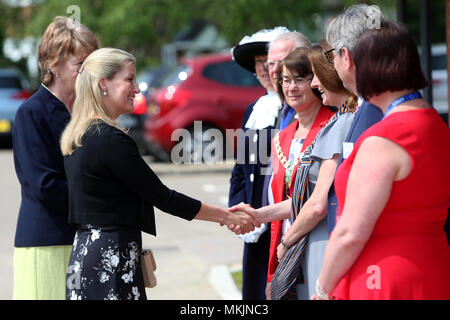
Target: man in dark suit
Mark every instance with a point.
(342, 34)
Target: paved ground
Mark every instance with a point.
(187, 253)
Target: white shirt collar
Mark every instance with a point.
(265, 112)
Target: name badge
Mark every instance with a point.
(347, 148)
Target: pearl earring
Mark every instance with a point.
(105, 93)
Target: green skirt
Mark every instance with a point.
(40, 272)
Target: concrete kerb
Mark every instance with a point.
(221, 280)
(171, 168)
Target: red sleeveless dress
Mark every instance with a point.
(407, 255)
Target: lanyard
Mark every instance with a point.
(402, 99)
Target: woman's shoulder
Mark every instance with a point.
(410, 120)
(410, 129)
(35, 102)
(100, 126)
(40, 105)
(339, 123)
(109, 134)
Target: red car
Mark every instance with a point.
(211, 89)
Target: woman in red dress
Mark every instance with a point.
(394, 188)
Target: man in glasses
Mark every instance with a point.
(278, 50)
(343, 33)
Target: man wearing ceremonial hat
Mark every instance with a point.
(247, 180)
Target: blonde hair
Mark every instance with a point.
(89, 104)
(62, 37)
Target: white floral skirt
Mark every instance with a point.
(105, 264)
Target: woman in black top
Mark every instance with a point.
(112, 190)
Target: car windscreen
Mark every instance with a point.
(176, 76)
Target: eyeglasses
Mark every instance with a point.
(286, 82)
(329, 55)
(271, 64)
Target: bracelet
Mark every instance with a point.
(283, 244)
(320, 293)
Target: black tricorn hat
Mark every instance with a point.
(244, 54)
(254, 45)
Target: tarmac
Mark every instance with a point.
(221, 285)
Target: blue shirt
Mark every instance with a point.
(367, 115)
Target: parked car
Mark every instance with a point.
(204, 95)
(14, 89)
(134, 122)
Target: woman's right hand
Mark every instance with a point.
(240, 222)
(246, 208)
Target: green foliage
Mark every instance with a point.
(237, 278)
(143, 26)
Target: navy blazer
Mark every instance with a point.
(367, 115)
(247, 179)
(43, 213)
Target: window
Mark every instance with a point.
(176, 76)
(439, 62)
(10, 83)
(230, 73)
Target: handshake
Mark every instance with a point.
(242, 218)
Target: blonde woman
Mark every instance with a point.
(112, 190)
(43, 239)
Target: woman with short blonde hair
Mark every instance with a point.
(43, 239)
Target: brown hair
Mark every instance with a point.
(296, 61)
(386, 59)
(327, 74)
(62, 37)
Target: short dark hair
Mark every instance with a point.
(296, 61)
(386, 59)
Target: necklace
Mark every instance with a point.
(284, 161)
(288, 165)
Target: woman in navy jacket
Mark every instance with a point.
(43, 236)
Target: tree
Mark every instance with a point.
(143, 26)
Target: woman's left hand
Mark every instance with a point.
(281, 251)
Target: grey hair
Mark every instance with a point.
(299, 39)
(345, 29)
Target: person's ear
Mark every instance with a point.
(348, 60)
(102, 85)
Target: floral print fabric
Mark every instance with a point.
(105, 265)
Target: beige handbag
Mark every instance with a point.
(148, 268)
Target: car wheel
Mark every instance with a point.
(202, 144)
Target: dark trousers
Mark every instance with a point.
(254, 268)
